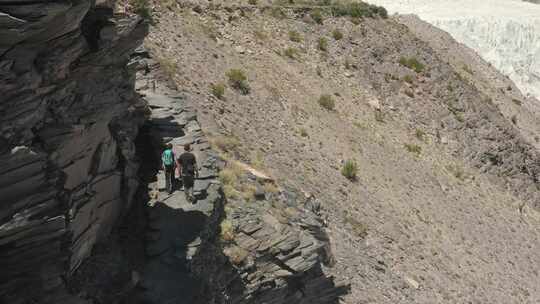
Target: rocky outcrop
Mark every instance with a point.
(69, 117)
(274, 253)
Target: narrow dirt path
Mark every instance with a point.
(174, 224)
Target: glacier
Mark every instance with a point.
(505, 33)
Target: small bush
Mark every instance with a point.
(337, 34)
(420, 134)
(218, 90)
(142, 8)
(303, 132)
(408, 79)
(350, 169)
(322, 44)
(252, 2)
(227, 231)
(517, 101)
(412, 63)
(316, 15)
(291, 52)
(360, 229)
(294, 36)
(412, 148)
(238, 80)
(326, 101)
(224, 143)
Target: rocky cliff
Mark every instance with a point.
(69, 116)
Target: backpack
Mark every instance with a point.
(167, 157)
(189, 169)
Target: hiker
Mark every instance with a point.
(167, 159)
(188, 170)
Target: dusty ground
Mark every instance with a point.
(426, 227)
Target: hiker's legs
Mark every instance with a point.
(169, 178)
(188, 181)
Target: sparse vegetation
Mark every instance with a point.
(457, 172)
(322, 44)
(291, 52)
(517, 101)
(468, 69)
(252, 2)
(294, 36)
(420, 134)
(227, 231)
(350, 169)
(303, 132)
(337, 34)
(415, 149)
(316, 15)
(238, 80)
(218, 90)
(270, 187)
(224, 143)
(326, 101)
(408, 79)
(142, 8)
(359, 10)
(168, 66)
(360, 229)
(412, 63)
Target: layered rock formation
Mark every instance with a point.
(69, 116)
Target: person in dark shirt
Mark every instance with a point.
(187, 164)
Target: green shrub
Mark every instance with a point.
(337, 34)
(408, 79)
(303, 132)
(322, 44)
(291, 52)
(142, 8)
(420, 134)
(350, 169)
(359, 10)
(294, 36)
(238, 80)
(252, 2)
(412, 63)
(218, 90)
(316, 15)
(412, 148)
(326, 101)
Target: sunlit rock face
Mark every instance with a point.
(506, 33)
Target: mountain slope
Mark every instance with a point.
(446, 179)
